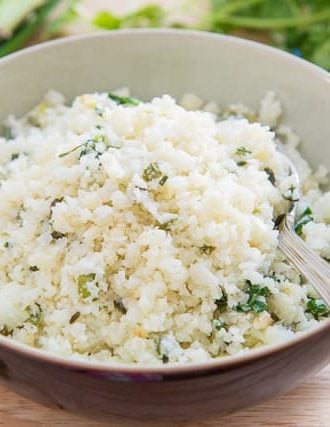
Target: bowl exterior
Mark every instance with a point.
(107, 393)
(217, 68)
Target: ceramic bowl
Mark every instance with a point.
(153, 62)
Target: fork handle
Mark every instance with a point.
(315, 269)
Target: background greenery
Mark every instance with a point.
(301, 27)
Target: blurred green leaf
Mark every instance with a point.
(13, 12)
(321, 55)
(27, 29)
(55, 26)
(148, 16)
(107, 21)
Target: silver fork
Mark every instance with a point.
(314, 268)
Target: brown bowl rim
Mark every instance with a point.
(191, 369)
(197, 368)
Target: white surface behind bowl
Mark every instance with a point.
(153, 62)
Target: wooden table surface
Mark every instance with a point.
(306, 406)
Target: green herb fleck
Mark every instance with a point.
(99, 111)
(83, 280)
(57, 235)
(123, 100)
(8, 133)
(271, 175)
(317, 308)
(207, 249)
(289, 196)
(35, 314)
(166, 226)
(242, 163)
(151, 172)
(33, 268)
(100, 138)
(256, 301)
(71, 151)
(119, 305)
(90, 146)
(163, 180)
(218, 324)
(140, 188)
(14, 156)
(165, 358)
(7, 245)
(74, 317)
(6, 332)
(242, 151)
(55, 201)
(273, 276)
(257, 290)
(306, 217)
(278, 220)
(222, 303)
(253, 305)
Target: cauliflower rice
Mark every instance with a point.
(144, 233)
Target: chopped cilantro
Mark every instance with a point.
(90, 146)
(278, 220)
(257, 290)
(119, 305)
(123, 100)
(57, 235)
(98, 111)
(71, 151)
(55, 201)
(218, 324)
(271, 175)
(254, 305)
(207, 249)
(5, 331)
(33, 268)
(8, 133)
(242, 163)
(151, 172)
(83, 280)
(305, 218)
(74, 317)
(163, 180)
(222, 303)
(317, 308)
(166, 226)
(256, 301)
(14, 156)
(289, 194)
(165, 358)
(242, 151)
(35, 314)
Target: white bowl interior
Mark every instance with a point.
(153, 62)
